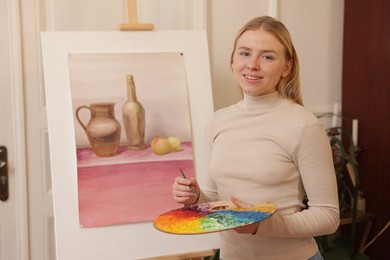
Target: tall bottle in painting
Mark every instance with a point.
(103, 130)
(133, 118)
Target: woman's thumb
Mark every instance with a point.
(240, 203)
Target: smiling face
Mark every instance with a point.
(258, 62)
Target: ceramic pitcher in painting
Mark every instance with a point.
(103, 130)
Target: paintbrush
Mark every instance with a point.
(191, 187)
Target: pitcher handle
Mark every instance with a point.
(78, 118)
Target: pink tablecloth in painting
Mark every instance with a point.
(132, 186)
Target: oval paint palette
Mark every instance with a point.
(211, 217)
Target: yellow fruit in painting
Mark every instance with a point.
(160, 145)
(174, 143)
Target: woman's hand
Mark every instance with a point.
(181, 190)
(248, 229)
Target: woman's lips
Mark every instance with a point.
(252, 77)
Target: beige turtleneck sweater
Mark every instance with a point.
(267, 148)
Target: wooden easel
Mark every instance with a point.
(132, 17)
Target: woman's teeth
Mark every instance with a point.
(251, 77)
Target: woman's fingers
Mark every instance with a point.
(181, 190)
(248, 229)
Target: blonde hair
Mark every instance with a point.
(288, 87)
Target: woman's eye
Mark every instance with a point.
(244, 53)
(267, 57)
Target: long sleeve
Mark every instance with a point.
(314, 161)
(208, 188)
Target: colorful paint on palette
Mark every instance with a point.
(211, 217)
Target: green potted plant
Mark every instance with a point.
(347, 175)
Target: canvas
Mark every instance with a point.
(121, 54)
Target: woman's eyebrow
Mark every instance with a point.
(262, 51)
(243, 48)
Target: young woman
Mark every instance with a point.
(268, 147)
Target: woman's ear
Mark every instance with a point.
(287, 68)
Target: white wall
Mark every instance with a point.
(317, 31)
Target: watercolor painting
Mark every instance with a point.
(211, 217)
(128, 108)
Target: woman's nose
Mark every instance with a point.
(253, 64)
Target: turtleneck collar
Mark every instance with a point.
(259, 102)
